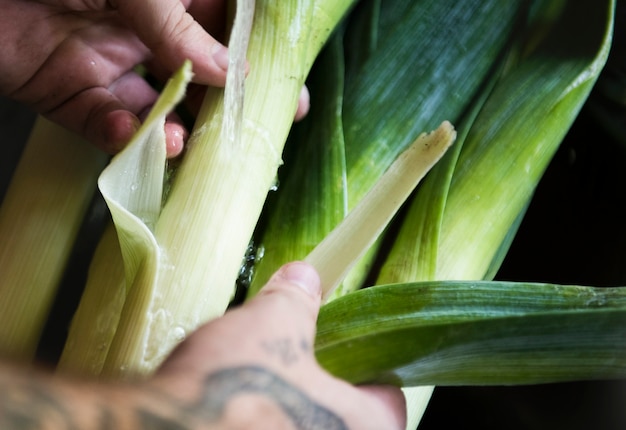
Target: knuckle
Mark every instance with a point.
(176, 25)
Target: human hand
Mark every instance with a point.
(255, 368)
(73, 60)
(252, 368)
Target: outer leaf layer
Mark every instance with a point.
(456, 333)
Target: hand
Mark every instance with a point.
(73, 60)
(255, 368)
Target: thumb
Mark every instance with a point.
(294, 279)
(273, 327)
(173, 36)
(292, 294)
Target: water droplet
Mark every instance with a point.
(275, 185)
(179, 334)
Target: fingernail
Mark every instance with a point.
(135, 124)
(304, 276)
(220, 56)
(119, 128)
(175, 137)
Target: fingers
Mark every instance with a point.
(170, 32)
(292, 280)
(109, 117)
(175, 136)
(283, 297)
(285, 312)
(173, 35)
(99, 116)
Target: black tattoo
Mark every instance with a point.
(305, 414)
(107, 419)
(149, 420)
(26, 404)
(221, 387)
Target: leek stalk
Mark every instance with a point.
(182, 267)
(341, 249)
(400, 86)
(40, 217)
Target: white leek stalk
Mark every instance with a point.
(182, 267)
(40, 217)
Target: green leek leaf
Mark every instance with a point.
(476, 333)
(317, 164)
(411, 75)
(515, 136)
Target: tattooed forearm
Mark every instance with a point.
(30, 405)
(305, 414)
(38, 403)
(149, 419)
(222, 387)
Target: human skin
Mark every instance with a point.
(252, 368)
(74, 61)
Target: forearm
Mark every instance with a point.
(234, 398)
(38, 400)
(248, 369)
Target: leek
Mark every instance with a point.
(474, 333)
(340, 250)
(95, 321)
(544, 82)
(198, 239)
(480, 194)
(397, 88)
(40, 217)
(463, 216)
(133, 194)
(397, 85)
